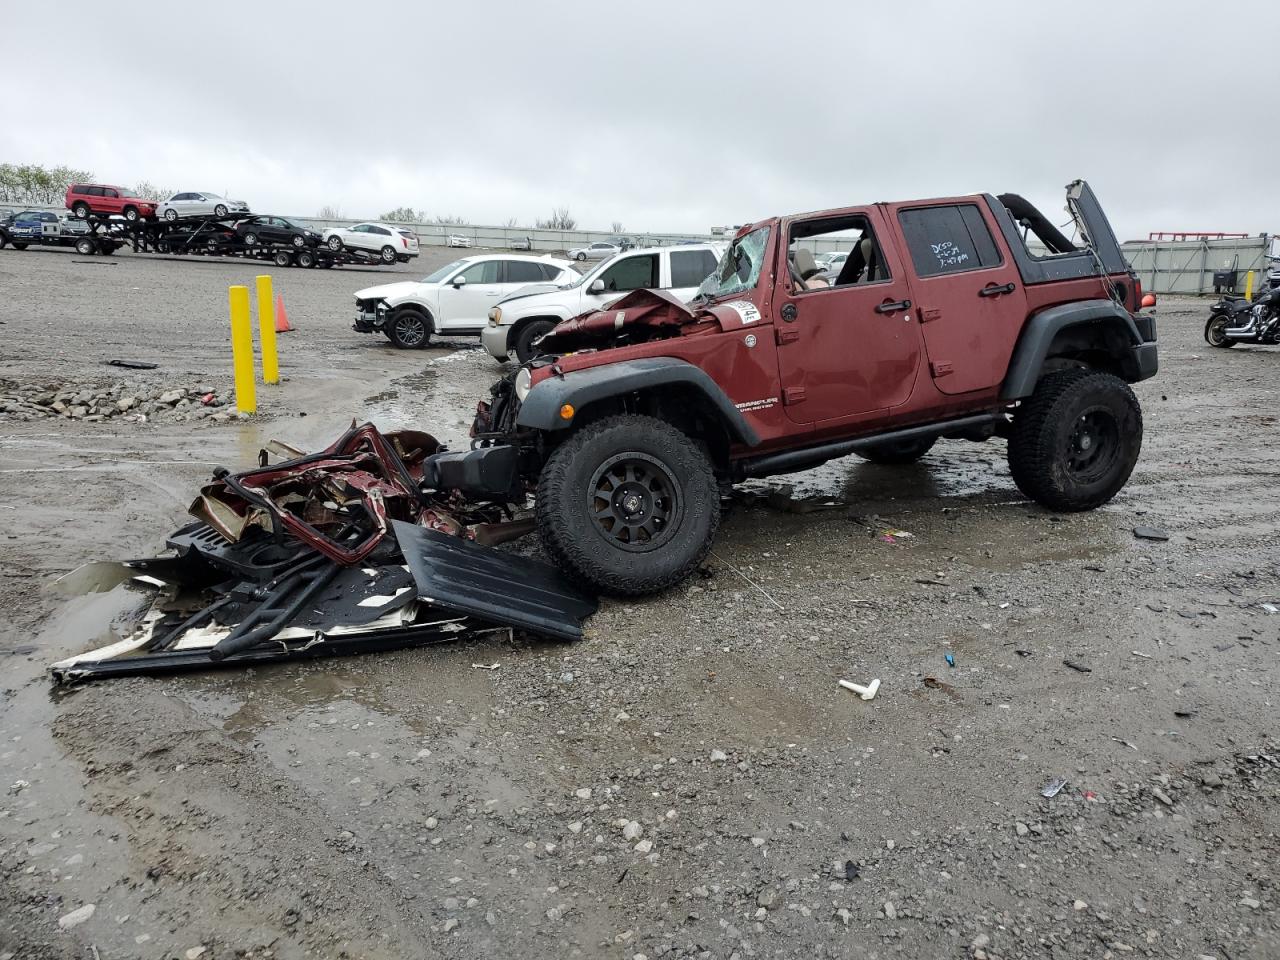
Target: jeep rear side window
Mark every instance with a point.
(948, 239)
(690, 267)
(633, 273)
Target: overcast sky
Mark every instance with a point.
(664, 116)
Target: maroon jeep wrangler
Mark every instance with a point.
(961, 318)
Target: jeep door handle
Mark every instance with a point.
(893, 306)
(991, 290)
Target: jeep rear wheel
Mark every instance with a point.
(628, 505)
(898, 451)
(1076, 439)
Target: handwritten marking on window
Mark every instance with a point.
(948, 254)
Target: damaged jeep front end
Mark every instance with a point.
(377, 542)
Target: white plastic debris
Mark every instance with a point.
(866, 693)
(485, 666)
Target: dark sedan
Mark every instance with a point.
(266, 231)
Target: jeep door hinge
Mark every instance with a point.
(940, 368)
(785, 336)
(792, 395)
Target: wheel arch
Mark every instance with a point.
(1093, 333)
(665, 387)
(413, 306)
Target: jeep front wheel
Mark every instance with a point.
(628, 505)
(1075, 440)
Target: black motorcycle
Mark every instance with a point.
(1235, 320)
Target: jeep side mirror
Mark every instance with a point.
(459, 282)
(597, 286)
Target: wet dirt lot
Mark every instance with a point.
(412, 805)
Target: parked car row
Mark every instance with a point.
(511, 301)
(456, 298)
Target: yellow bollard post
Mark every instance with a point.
(267, 331)
(1248, 285)
(242, 349)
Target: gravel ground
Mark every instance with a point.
(689, 781)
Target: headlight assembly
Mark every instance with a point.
(524, 383)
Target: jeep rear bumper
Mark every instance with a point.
(1146, 360)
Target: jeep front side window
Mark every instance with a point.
(740, 266)
(859, 259)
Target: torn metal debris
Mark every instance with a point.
(345, 551)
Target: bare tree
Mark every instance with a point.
(329, 212)
(449, 220)
(149, 191)
(405, 215)
(616, 227)
(560, 219)
(511, 223)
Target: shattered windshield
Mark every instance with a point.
(739, 268)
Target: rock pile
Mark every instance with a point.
(130, 402)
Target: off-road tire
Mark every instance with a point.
(898, 451)
(575, 539)
(1049, 438)
(524, 347)
(1213, 331)
(409, 329)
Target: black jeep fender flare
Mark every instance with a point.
(541, 408)
(1033, 347)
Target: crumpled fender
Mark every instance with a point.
(639, 308)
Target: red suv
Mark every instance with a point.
(86, 198)
(952, 318)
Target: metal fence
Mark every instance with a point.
(435, 234)
(1164, 266)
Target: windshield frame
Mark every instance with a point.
(765, 232)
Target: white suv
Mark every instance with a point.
(388, 242)
(517, 322)
(456, 298)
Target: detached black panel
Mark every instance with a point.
(493, 585)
